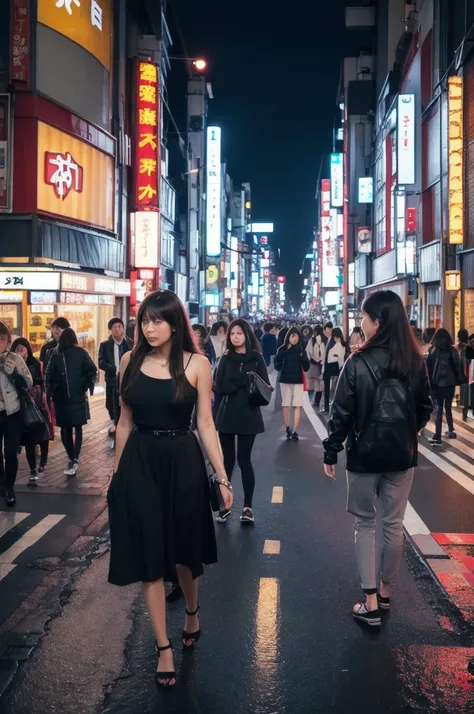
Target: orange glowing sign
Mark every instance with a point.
(75, 180)
(86, 22)
(147, 171)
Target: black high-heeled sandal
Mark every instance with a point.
(167, 676)
(194, 636)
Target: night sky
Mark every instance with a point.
(274, 67)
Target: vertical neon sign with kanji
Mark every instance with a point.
(147, 175)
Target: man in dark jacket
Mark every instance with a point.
(57, 326)
(110, 353)
(268, 342)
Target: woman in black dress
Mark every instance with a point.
(160, 517)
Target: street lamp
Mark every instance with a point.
(198, 63)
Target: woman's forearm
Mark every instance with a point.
(210, 440)
(122, 433)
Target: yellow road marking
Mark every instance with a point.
(271, 547)
(267, 625)
(277, 495)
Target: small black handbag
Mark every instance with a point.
(215, 496)
(32, 417)
(260, 393)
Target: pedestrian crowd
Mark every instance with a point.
(185, 404)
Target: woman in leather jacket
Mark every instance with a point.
(382, 402)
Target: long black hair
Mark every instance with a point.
(394, 332)
(251, 342)
(293, 331)
(202, 331)
(24, 343)
(162, 305)
(337, 332)
(442, 340)
(319, 332)
(67, 338)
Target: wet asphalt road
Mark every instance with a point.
(278, 636)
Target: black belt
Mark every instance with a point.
(162, 432)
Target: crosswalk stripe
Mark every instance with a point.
(458, 460)
(449, 470)
(30, 538)
(456, 443)
(5, 569)
(10, 519)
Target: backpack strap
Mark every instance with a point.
(372, 365)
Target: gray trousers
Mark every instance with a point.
(392, 490)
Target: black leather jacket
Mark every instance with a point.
(353, 405)
(444, 367)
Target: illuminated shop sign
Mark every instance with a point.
(406, 139)
(146, 239)
(337, 181)
(19, 280)
(366, 189)
(147, 150)
(330, 270)
(88, 23)
(456, 166)
(75, 180)
(214, 188)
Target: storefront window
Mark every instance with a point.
(89, 322)
(11, 316)
(38, 331)
(468, 318)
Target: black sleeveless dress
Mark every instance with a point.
(159, 510)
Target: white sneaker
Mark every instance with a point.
(71, 469)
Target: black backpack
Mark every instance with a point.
(387, 441)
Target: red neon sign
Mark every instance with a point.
(147, 150)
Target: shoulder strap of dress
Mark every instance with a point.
(189, 360)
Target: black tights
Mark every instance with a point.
(30, 450)
(245, 444)
(73, 447)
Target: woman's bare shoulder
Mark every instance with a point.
(125, 360)
(197, 362)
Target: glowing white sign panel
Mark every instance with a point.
(146, 239)
(261, 228)
(366, 189)
(337, 181)
(214, 187)
(406, 140)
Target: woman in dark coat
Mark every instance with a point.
(42, 437)
(70, 373)
(445, 371)
(291, 361)
(235, 417)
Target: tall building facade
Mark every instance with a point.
(407, 136)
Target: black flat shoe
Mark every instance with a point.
(193, 636)
(163, 679)
(369, 617)
(10, 496)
